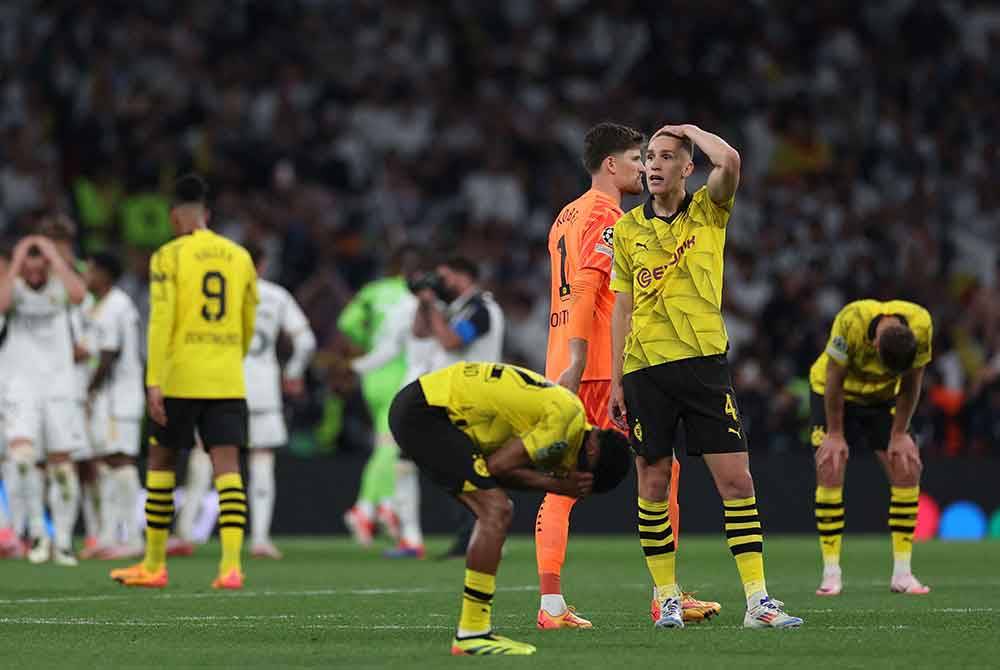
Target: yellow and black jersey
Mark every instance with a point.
(673, 269)
(203, 298)
(851, 344)
(493, 403)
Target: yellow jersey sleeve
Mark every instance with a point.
(554, 442)
(838, 347)
(162, 307)
(707, 210)
(621, 264)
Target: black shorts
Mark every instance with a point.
(428, 437)
(698, 391)
(866, 426)
(219, 422)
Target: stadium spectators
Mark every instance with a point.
(328, 129)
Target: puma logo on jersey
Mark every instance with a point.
(640, 244)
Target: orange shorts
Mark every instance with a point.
(595, 396)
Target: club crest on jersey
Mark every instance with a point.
(818, 433)
(479, 465)
(609, 236)
(637, 431)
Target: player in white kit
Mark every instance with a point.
(277, 312)
(10, 529)
(116, 403)
(42, 416)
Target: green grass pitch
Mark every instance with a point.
(331, 604)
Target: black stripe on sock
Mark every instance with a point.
(829, 519)
(743, 532)
(158, 525)
(233, 524)
(747, 548)
(657, 535)
(903, 517)
(741, 508)
(901, 529)
(742, 519)
(657, 551)
(661, 512)
(231, 489)
(653, 522)
(833, 531)
(479, 595)
(829, 505)
(165, 491)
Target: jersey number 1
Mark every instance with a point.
(213, 287)
(563, 284)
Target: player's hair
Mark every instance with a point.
(257, 252)
(615, 460)
(57, 227)
(685, 141)
(463, 265)
(190, 189)
(605, 139)
(109, 263)
(5, 252)
(897, 347)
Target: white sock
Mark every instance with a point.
(91, 507)
(754, 599)
(665, 591)
(197, 485)
(127, 487)
(64, 501)
(13, 487)
(366, 507)
(831, 569)
(108, 536)
(261, 494)
(901, 567)
(407, 503)
(34, 499)
(553, 603)
(464, 632)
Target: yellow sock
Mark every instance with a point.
(477, 603)
(902, 523)
(657, 540)
(159, 516)
(232, 519)
(830, 523)
(746, 540)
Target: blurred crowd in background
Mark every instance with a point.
(333, 130)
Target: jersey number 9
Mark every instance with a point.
(213, 287)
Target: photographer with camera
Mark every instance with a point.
(465, 320)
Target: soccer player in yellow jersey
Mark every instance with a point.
(477, 428)
(669, 363)
(865, 386)
(203, 299)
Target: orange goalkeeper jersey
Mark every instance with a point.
(580, 238)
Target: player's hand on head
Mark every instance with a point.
(679, 131)
(903, 453)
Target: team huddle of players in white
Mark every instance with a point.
(72, 402)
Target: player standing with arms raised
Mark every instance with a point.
(203, 299)
(669, 347)
(43, 419)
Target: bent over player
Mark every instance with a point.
(669, 347)
(865, 387)
(477, 428)
(203, 298)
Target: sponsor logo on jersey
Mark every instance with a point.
(644, 277)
